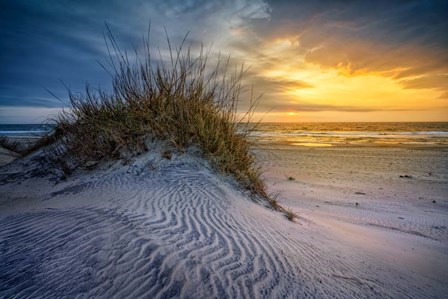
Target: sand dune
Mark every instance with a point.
(160, 228)
(6, 156)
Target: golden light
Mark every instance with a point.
(371, 92)
(343, 95)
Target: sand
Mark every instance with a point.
(391, 204)
(158, 228)
(6, 156)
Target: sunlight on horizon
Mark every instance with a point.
(327, 62)
(339, 93)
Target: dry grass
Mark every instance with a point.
(291, 215)
(184, 102)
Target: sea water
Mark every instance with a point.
(25, 130)
(353, 133)
(312, 133)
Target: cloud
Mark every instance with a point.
(309, 107)
(444, 95)
(282, 103)
(26, 115)
(299, 106)
(26, 101)
(44, 43)
(396, 39)
(290, 84)
(276, 86)
(437, 81)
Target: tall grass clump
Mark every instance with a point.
(183, 101)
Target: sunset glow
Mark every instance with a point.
(224, 149)
(311, 61)
(340, 94)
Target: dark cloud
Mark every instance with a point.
(25, 101)
(45, 42)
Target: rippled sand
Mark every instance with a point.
(158, 228)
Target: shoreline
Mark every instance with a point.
(349, 145)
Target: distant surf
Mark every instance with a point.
(311, 134)
(350, 133)
(25, 130)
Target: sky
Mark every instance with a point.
(310, 60)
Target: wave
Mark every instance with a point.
(28, 132)
(367, 134)
(353, 137)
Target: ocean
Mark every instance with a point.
(353, 133)
(313, 134)
(25, 130)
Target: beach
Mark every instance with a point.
(372, 222)
(224, 149)
(388, 203)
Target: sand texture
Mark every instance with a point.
(158, 228)
(6, 156)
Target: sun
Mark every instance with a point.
(291, 113)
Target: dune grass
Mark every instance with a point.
(290, 214)
(184, 102)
